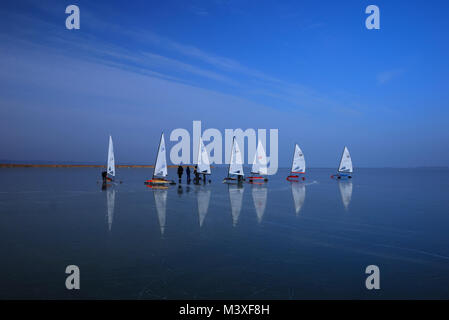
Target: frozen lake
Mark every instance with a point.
(278, 241)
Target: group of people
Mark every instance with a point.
(195, 173)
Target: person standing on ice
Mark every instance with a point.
(188, 174)
(180, 171)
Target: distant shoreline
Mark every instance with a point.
(55, 165)
(24, 165)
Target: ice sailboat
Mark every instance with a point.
(203, 163)
(298, 165)
(111, 162)
(235, 171)
(160, 168)
(259, 168)
(345, 169)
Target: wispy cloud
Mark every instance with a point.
(199, 11)
(154, 55)
(386, 76)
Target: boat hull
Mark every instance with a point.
(159, 182)
(341, 176)
(294, 177)
(230, 180)
(257, 180)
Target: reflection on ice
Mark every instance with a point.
(299, 195)
(236, 198)
(110, 200)
(260, 200)
(203, 197)
(160, 198)
(346, 192)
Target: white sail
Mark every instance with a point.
(345, 192)
(160, 198)
(260, 160)
(260, 200)
(299, 163)
(236, 164)
(346, 162)
(160, 168)
(203, 159)
(299, 195)
(203, 198)
(111, 160)
(236, 198)
(110, 200)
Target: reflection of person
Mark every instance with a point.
(180, 171)
(239, 178)
(188, 174)
(204, 178)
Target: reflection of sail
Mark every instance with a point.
(260, 200)
(236, 198)
(299, 195)
(203, 197)
(346, 192)
(110, 200)
(160, 198)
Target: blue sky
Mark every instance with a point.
(310, 69)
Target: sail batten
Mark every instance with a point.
(299, 163)
(345, 162)
(160, 168)
(260, 161)
(236, 163)
(111, 159)
(203, 162)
